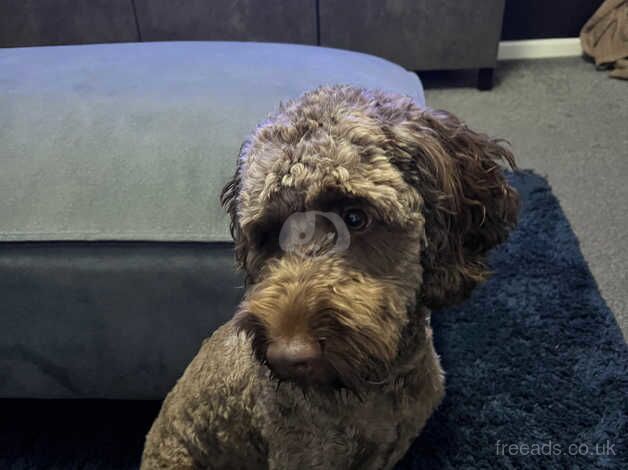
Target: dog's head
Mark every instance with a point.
(350, 210)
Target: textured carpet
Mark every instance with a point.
(534, 361)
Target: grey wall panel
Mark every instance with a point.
(417, 34)
(228, 20)
(49, 22)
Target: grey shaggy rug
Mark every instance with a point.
(537, 374)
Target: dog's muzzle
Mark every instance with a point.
(320, 321)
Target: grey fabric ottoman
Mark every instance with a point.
(115, 256)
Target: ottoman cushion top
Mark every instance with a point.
(135, 141)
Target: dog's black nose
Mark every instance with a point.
(294, 358)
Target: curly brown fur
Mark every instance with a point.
(436, 201)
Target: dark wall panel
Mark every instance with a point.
(47, 22)
(417, 34)
(537, 19)
(243, 20)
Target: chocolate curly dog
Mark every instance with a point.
(329, 362)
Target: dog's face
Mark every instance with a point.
(348, 209)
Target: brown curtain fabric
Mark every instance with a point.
(605, 37)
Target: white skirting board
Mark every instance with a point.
(539, 48)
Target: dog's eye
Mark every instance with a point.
(356, 219)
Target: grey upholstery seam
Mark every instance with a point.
(318, 23)
(137, 21)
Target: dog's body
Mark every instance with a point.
(329, 361)
(226, 412)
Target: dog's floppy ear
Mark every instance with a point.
(229, 200)
(469, 207)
